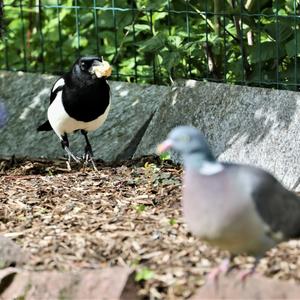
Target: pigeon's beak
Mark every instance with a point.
(101, 69)
(164, 146)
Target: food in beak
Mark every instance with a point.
(103, 69)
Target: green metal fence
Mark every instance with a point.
(252, 42)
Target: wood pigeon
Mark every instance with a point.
(235, 207)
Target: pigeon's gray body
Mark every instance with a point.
(241, 209)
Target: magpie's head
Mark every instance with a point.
(93, 66)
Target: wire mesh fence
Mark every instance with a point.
(252, 42)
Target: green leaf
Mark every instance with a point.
(174, 41)
(154, 44)
(255, 6)
(171, 59)
(266, 51)
(172, 221)
(278, 32)
(152, 4)
(140, 208)
(165, 156)
(293, 47)
(144, 274)
(138, 28)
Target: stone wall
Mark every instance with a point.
(243, 124)
(26, 96)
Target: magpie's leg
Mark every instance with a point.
(65, 145)
(88, 151)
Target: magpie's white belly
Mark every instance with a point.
(62, 123)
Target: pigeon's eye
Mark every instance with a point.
(82, 65)
(184, 139)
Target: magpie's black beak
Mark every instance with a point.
(100, 69)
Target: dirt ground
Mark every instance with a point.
(126, 214)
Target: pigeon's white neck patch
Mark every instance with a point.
(211, 168)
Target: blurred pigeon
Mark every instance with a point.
(3, 114)
(79, 100)
(235, 207)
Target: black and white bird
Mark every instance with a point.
(79, 100)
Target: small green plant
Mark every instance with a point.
(172, 221)
(144, 274)
(165, 156)
(140, 208)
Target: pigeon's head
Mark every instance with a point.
(92, 66)
(186, 140)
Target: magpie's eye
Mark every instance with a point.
(83, 65)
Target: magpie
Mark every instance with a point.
(79, 100)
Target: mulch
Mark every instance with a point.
(127, 214)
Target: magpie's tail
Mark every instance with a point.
(45, 127)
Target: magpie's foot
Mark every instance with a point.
(88, 157)
(71, 155)
(94, 165)
(77, 159)
(68, 166)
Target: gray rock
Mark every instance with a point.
(109, 283)
(11, 254)
(27, 96)
(254, 287)
(243, 124)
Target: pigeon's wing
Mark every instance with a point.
(278, 207)
(58, 86)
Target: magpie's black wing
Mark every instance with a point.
(45, 126)
(58, 86)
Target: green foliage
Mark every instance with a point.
(144, 274)
(140, 208)
(165, 156)
(172, 221)
(155, 40)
